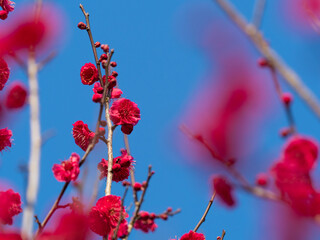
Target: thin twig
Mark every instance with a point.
(203, 218)
(138, 206)
(37, 221)
(94, 50)
(244, 184)
(263, 47)
(35, 147)
(115, 233)
(287, 107)
(223, 234)
(134, 192)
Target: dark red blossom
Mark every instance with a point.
(68, 170)
(127, 128)
(82, 135)
(145, 222)
(302, 152)
(71, 226)
(30, 28)
(292, 176)
(17, 96)
(121, 167)
(10, 236)
(192, 236)
(5, 138)
(10, 203)
(4, 73)
(123, 111)
(224, 190)
(104, 216)
(3, 14)
(7, 5)
(89, 74)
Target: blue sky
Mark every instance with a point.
(160, 68)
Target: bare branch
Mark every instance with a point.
(263, 47)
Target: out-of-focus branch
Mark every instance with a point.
(47, 60)
(203, 218)
(35, 147)
(258, 12)
(276, 62)
(244, 184)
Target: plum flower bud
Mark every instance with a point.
(262, 62)
(82, 26)
(111, 80)
(286, 98)
(3, 15)
(262, 179)
(113, 64)
(137, 186)
(116, 93)
(105, 48)
(97, 44)
(115, 74)
(102, 131)
(284, 132)
(127, 128)
(126, 183)
(163, 216)
(17, 96)
(103, 57)
(97, 97)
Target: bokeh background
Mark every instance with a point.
(169, 56)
